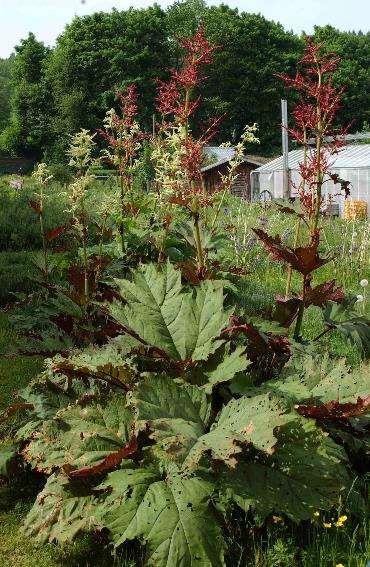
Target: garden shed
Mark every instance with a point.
(218, 159)
(352, 163)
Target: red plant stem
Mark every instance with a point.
(198, 240)
(122, 195)
(290, 269)
(319, 141)
(298, 326)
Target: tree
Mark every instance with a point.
(184, 17)
(28, 131)
(353, 72)
(242, 81)
(98, 55)
(5, 90)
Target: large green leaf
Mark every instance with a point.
(173, 516)
(306, 473)
(45, 397)
(60, 512)
(109, 363)
(177, 414)
(319, 380)
(230, 365)
(243, 421)
(184, 324)
(81, 437)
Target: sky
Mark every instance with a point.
(47, 18)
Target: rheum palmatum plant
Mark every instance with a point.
(227, 179)
(81, 159)
(124, 137)
(160, 436)
(314, 117)
(42, 176)
(178, 155)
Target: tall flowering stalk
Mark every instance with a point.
(178, 156)
(227, 180)
(81, 159)
(42, 176)
(314, 118)
(124, 138)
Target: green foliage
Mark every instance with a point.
(72, 86)
(19, 227)
(28, 130)
(98, 54)
(153, 452)
(253, 49)
(182, 324)
(352, 74)
(349, 323)
(5, 90)
(281, 483)
(16, 269)
(173, 516)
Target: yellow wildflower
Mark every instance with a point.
(277, 519)
(327, 525)
(316, 514)
(339, 523)
(339, 565)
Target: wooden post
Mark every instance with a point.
(285, 145)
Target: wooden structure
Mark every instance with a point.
(220, 158)
(20, 166)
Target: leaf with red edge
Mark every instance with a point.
(304, 259)
(322, 293)
(55, 232)
(335, 410)
(108, 464)
(36, 206)
(84, 440)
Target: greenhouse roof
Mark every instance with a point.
(349, 157)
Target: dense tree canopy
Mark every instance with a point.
(99, 54)
(54, 93)
(28, 130)
(5, 90)
(242, 79)
(353, 72)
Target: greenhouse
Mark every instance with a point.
(352, 164)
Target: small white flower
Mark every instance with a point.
(364, 283)
(360, 298)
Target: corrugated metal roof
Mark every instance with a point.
(350, 157)
(221, 155)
